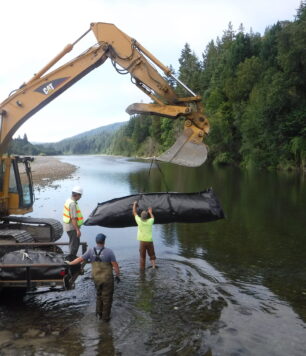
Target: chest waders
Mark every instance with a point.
(102, 274)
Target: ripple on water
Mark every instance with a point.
(181, 308)
(171, 309)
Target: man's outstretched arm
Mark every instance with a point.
(76, 261)
(116, 268)
(151, 213)
(134, 208)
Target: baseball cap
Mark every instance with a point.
(100, 238)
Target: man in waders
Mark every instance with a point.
(103, 261)
(144, 235)
(73, 220)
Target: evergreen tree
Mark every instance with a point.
(253, 89)
(190, 70)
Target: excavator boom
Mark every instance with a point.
(127, 56)
(16, 188)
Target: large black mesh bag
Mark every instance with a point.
(167, 208)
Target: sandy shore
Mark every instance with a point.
(46, 169)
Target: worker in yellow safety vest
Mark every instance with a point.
(73, 220)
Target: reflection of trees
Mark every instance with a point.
(177, 179)
(169, 235)
(145, 295)
(141, 181)
(263, 235)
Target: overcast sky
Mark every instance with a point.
(35, 31)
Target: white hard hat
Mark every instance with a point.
(77, 189)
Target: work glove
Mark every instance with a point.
(117, 279)
(67, 263)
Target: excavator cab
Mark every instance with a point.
(16, 186)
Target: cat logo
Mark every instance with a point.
(49, 87)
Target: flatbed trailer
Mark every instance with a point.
(63, 280)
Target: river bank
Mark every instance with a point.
(47, 169)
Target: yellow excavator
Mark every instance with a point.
(127, 56)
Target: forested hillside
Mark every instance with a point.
(90, 142)
(21, 146)
(254, 93)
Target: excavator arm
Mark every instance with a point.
(127, 56)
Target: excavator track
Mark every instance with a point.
(13, 236)
(17, 235)
(38, 229)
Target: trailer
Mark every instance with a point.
(31, 266)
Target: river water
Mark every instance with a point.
(232, 287)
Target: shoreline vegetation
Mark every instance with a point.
(47, 169)
(253, 89)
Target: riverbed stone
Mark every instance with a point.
(32, 333)
(6, 337)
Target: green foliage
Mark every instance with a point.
(167, 136)
(91, 142)
(143, 136)
(255, 96)
(298, 148)
(190, 70)
(22, 147)
(253, 89)
(223, 159)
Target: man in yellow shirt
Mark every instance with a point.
(144, 235)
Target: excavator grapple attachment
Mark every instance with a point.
(189, 149)
(185, 152)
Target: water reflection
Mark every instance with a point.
(263, 236)
(170, 309)
(231, 287)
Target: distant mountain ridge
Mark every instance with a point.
(99, 130)
(89, 142)
(107, 128)
(253, 88)
(93, 141)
